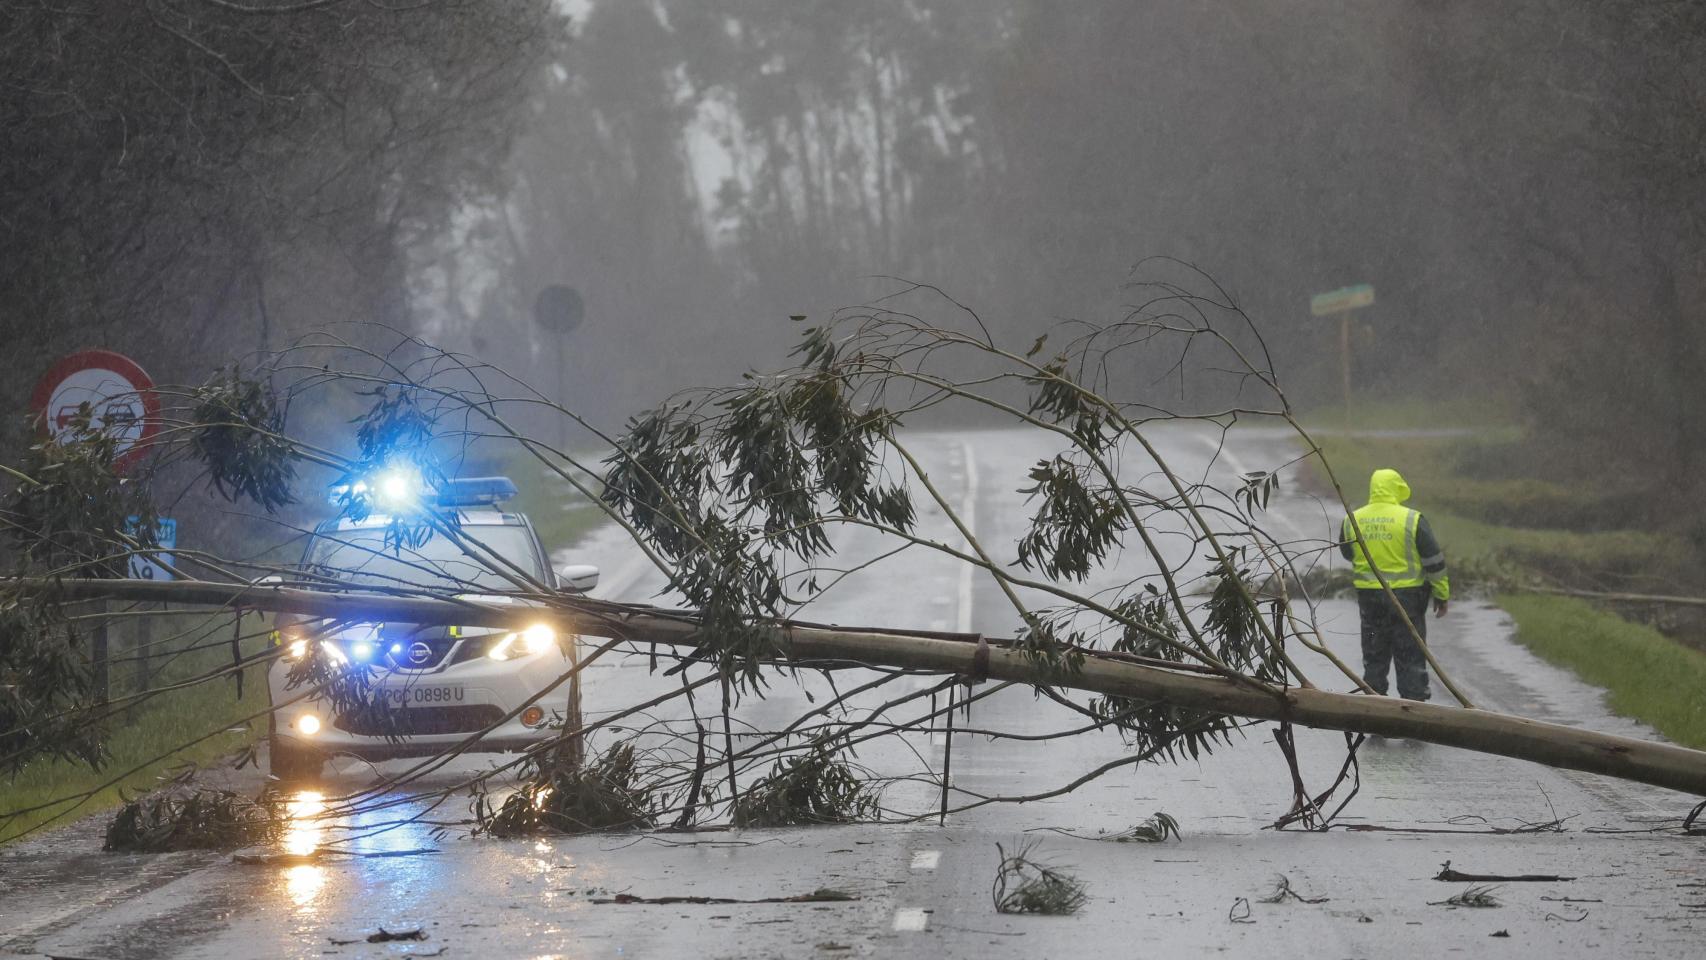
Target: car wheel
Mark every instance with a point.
(293, 763)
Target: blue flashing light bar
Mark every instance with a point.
(399, 491)
(475, 491)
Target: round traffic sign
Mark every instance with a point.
(559, 308)
(121, 399)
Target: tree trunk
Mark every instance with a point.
(1659, 764)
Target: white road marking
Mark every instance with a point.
(1223, 449)
(968, 515)
(625, 578)
(911, 919)
(926, 859)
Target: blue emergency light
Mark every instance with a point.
(475, 491)
(400, 490)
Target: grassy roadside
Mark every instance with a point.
(560, 514)
(1505, 524)
(157, 728)
(1646, 675)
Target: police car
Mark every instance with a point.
(423, 688)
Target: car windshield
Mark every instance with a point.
(362, 557)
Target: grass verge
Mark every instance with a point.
(165, 724)
(1645, 674)
(560, 513)
(180, 646)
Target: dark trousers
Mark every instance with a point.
(1385, 640)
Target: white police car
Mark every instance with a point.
(437, 685)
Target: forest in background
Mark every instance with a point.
(188, 181)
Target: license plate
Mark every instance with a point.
(423, 696)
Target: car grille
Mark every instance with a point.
(423, 652)
(421, 721)
(419, 654)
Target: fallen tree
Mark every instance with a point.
(801, 645)
(1156, 588)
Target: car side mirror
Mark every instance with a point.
(579, 577)
(270, 580)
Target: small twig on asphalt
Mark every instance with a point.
(1456, 876)
(820, 895)
(1693, 816)
(383, 936)
(1023, 885)
(1283, 892)
(1156, 829)
(320, 856)
(1471, 897)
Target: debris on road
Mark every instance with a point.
(1283, 892)
(816, 787)
(321, 855)
(1240, 911)
(561, 797)
(820, 895)
(1472, 897)
(1456, 876)
(1023, 885)
(198, 819)
(1154, 830)
(384, 936)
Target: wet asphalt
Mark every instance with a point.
(923, 889)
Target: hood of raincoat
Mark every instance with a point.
(1386, 486)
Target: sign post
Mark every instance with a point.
(559, 310)
(121, 404)
(1341, 302)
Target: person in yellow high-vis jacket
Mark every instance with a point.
(1400, 545)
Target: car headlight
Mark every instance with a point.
(535, 639)
(296, 649)
(333, 653)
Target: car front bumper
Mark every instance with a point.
(453, 702)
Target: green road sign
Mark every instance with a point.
(1342, 299)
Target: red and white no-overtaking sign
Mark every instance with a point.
(121, 400)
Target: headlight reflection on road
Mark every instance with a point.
(302, 837)
(302, 833)
(303, 882)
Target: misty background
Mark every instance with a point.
(188, 182)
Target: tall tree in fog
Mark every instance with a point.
(703, 170)
(187, 180)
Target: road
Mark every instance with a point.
(924, 889)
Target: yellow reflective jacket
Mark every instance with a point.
(1401, 545)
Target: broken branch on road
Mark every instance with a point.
(820, 895)
(1457, 876)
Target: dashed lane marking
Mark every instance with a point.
(968, 515)
(926, 859)
(911, 919)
